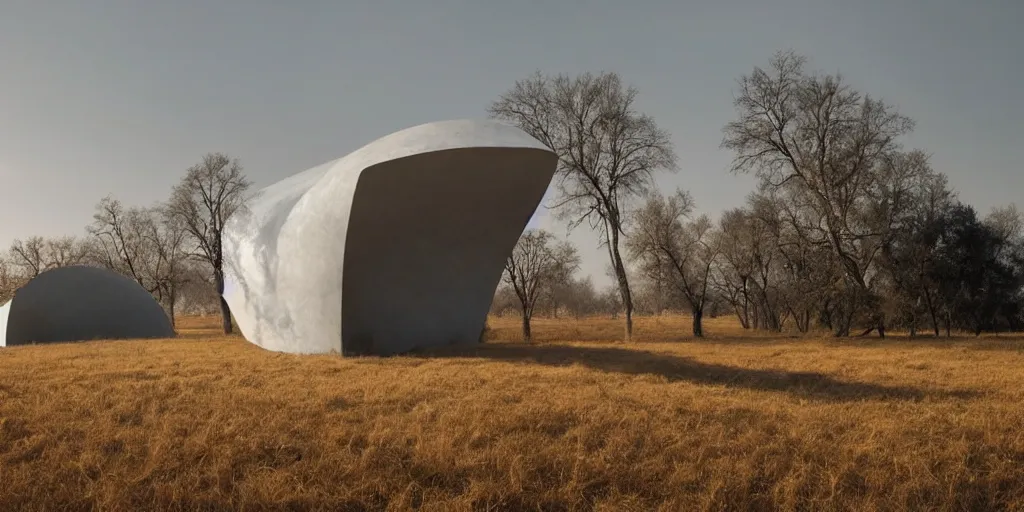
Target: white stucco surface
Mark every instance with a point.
(396, 246)
(5, 311)
(80, 303)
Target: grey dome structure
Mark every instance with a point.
(81, 303)
(397, 246)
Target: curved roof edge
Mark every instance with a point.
(49, 282)
(422, 138)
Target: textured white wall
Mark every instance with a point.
(5, 311)
(418, 223)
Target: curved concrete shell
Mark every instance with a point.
(81, 303)
(396, 246)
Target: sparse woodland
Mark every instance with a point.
(848, 231)
(172, 249)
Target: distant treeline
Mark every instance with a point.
(847, 230)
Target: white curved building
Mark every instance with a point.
(80, 303)
(396, 246)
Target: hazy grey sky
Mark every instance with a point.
(119, 97)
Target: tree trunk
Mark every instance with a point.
(771, 317)
(746, 305)
(843, 330)
(620, 274)
(825, 313)
(847, 310)
(931, 310)
(171, 300)
(225, 310)
(797, 319)
(740, 313)
(843, 327)
(527, 335)
(629, 321)
(698, 324)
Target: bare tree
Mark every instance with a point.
(65, 251)
(908, 258)
(207, 196)
(145, 244)
(504, 300)
(611, 301)
(581, 297)
(1007, 222)
(748, 273)
(169, 267)
(556, 290)
(733, 278)
(29, 255)
(9, 280)
(36, 254)
(535, 264)
(681, 253)
(119, 235)
(197, 293)
(830, 149)
(652, 294)
(608, 152)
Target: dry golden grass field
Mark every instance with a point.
(732, 422)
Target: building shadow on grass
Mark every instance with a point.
(807, 385)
